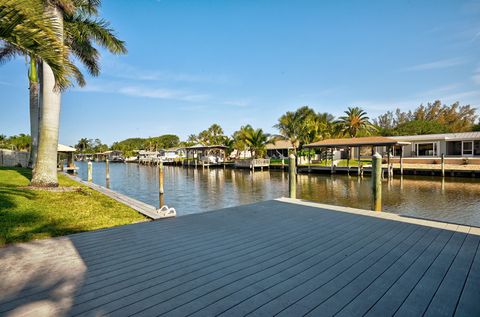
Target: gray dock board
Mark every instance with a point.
(367, 297)
(278, 257)
(469, 303)
(419, 298)
(156, 285)
(449, 291)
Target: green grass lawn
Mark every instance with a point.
(27, 214)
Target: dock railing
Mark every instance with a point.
(252, 163)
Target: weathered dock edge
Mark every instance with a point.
(386, 215)
(143, 208)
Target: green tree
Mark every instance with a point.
(294, 127)
(26, 27)
(83, 145)
(417, 127)
(78, 29)
(256, 140)
(355, 122)
(319, 126)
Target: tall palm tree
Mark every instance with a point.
(83, 144)
(79, 31)
(356, 121)
(292, 126)
(215, 133)
(256, 140)
(26, 27)
(319, 126)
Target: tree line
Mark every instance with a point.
(300, 127)
(305, 125)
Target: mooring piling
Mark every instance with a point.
(443, 165)
(90, 171)
(377, 182)
(107, 170)
(292, 176)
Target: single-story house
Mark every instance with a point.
(279, 149)
(465, 144)
(169, 155)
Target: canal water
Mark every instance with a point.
(197, 190)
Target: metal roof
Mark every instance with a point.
(440, 137)
(279, 144)
(65, 148)
(205, 147)
(353, 142)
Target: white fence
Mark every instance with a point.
(13, 158)
(252, 163)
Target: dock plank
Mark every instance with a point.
(286, 257)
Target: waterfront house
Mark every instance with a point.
(172, 154)
(465, 144)
(206, 154)
(113, 156)
(279, 149)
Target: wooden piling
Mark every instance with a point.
(107, 169)
(332, 167)
(443, 165)
(401, 162)
(90, 171)
(377, 182)
(389, 169)
(292, 177)
(358, 161)
(160, 178)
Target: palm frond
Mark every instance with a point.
(25, 25)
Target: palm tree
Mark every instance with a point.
(356, 121)
(256, 141)
(318, 127)
(215, 133)
(27, 28)
(79, 30)
(83, 144)
(293, 126)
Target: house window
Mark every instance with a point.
(467, 148)
(426, 149)
(397, 150)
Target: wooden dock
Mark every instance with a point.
(283, 257)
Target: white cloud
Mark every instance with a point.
(237, 103)
(446, 63)
(115, 68)
(145, 92)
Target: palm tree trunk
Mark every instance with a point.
(45, 171)
(34, 110)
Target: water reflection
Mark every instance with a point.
(197, 190)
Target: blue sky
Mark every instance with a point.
(194, 63)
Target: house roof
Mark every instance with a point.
(440, 137)
(205, 147)
(65, 148)
(361, 141)
(279, 145)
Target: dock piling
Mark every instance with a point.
(107, 170)
(443, 165)
(292, 177)
(401, 162)
(90, 171)
(160, 178)
(377, 182)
